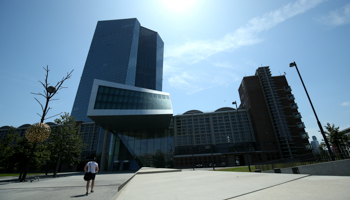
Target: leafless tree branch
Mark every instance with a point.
(47, 110)
(49, 95)
(53, 115)
(38, 94)
(59, 83)
(42, 107)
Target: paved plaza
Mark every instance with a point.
(70, 186)
(167, 184)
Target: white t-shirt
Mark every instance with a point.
(92, 166)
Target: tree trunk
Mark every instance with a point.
(20, 175)
(344, 149)
(57, 164)
(26, 169)
(47, 168)
(340, 152)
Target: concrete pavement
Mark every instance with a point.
(168, 184)
(67, 187)
(212, 185)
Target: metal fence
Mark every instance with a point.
(305, 159)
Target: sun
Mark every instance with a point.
(178, 5)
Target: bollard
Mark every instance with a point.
(295, 170)
(277, 170)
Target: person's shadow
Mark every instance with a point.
(82, 195)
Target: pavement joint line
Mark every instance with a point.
(306, 175)
(153, 172)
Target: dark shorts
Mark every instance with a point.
(93, 176)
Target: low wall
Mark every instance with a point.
(334, 168)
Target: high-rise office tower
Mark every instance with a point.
(315, 144)
(121, 51)
(125, 114)
(277, 124)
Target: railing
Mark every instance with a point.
(305, 159)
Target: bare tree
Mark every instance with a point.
(48, 93)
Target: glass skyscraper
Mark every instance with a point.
(126, 116)
(121, 51)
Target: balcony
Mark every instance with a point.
(297, 115)
(290, 97)
(308, 146)
(287, 89)
(294, 106)
(300, 125)
(304, 135)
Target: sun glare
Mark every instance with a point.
(178, 5)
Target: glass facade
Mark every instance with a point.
(132, 149)
(149, 71)
(123, 52)
(117, 98)
(90, 133)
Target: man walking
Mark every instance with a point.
(92, 167)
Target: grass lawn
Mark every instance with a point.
(238, 169)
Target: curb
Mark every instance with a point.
(121, 187)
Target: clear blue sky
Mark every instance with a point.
(209, 47)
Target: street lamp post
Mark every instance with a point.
(244, 142)
(212, 157)
(193, 165)
(293, 64)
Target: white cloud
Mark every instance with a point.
(193, 81)
(346, 103)
(337, 17)
(225, 65)
(184, 81)
(244, 36)
(195, 51)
